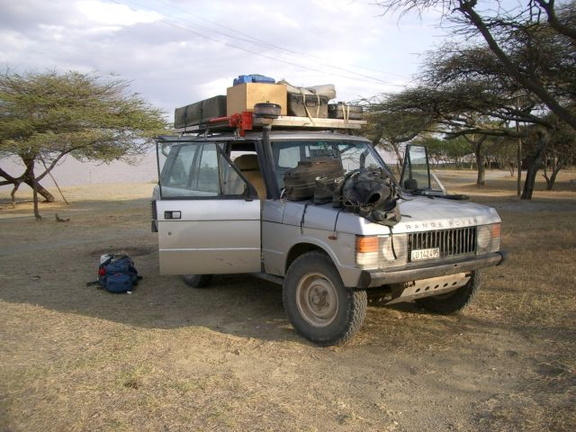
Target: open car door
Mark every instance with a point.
(416, 176)
(207, 214)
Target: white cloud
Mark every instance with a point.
(113, 14)
(177, 52)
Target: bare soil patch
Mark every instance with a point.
(171, 358)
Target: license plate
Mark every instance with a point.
(424, 254)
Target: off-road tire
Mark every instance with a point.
(197, 281)
(319, 306)
(452, 302)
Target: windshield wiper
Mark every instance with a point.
(438, 194)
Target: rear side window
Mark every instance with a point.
(199, 170)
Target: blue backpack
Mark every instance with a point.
(117, 274)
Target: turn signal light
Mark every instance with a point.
(367, 244)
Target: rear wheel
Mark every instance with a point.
(318, 304)
(197, 281)
(454, 301)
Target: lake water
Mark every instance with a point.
(72, 172)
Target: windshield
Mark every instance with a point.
(353, 154)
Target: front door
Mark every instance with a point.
(208, 215)
(416, 175)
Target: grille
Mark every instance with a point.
(452, 243)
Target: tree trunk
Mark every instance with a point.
(41, 190)
(511, 168)
(399, 159)
(534, 163)
(32, 178)
(481, 178)
(552, 179)
(29, 178)
(529, 182)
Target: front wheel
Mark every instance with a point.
(319, 306)
(454, 301)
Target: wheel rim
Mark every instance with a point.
(317, 300)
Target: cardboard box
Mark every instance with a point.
(243, 97)
(200, 112)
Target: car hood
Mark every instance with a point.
(419, 213)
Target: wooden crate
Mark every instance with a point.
(243, 97)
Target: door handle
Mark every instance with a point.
(172, 214)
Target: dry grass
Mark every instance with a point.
(536, 297)
(169, 358)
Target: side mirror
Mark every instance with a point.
(410, 184)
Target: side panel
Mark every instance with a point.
(212, 236)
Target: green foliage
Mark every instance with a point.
(390, 124)
(46, 116)
(445, 151)
(51, 114)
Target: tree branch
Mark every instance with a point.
(530, 83)
(553, 20)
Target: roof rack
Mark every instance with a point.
(247, 121)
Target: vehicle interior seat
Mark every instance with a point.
(248, 164)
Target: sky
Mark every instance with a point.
(178, 52)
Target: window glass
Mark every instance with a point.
(357, 156)
(415, 173)
(207, 178)
(353, 154)
(176, 171)
(232, 183)
(198, 170)
(288, 157)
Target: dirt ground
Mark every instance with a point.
(171, 358)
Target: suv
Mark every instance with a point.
(219, 207)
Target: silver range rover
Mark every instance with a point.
(220, 207)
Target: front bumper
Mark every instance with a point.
(377, 278)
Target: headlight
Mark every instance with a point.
(381, 251)
(488, 238)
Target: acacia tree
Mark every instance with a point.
(455, 110)
(535, 45)
(455, 150)
(471, 93)
(390, 128)
(531, 60)
(46, 116)
(508, 102)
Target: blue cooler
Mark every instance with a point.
(254, 78)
